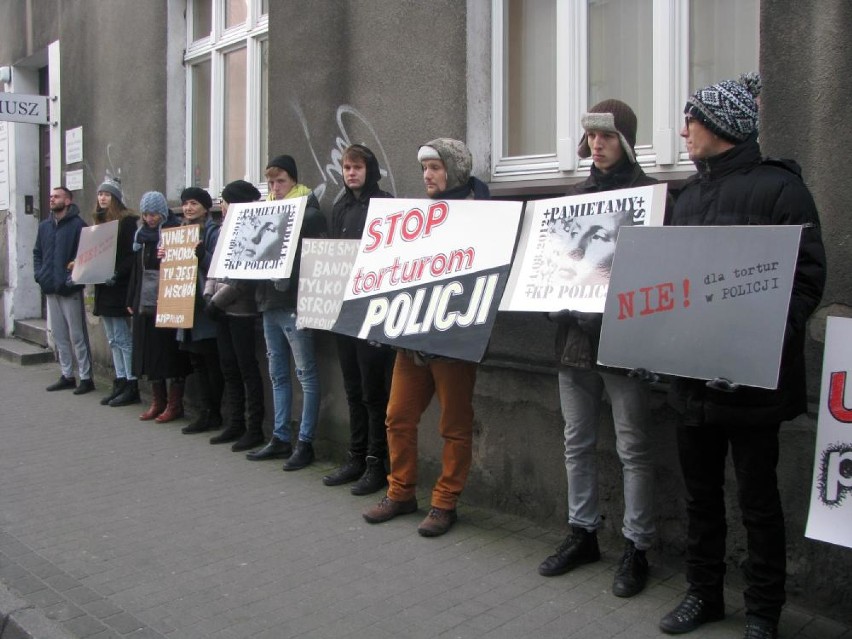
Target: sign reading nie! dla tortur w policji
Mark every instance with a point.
(429, 274)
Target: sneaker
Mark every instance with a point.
(349, 472)
(760, 628)
(580, 547)
(387, 509)
(632, 573)
(85, 386)
(374, 478)
(63, 384)
(437, 522)
(303, 455)
(690, 613)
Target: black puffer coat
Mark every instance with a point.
(738, 188)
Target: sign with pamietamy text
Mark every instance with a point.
(95, 259)
(258, 240)
(830, 514)
(323, 273)
(567, 244)
(701, 301)
(429, 274)
(178, 277)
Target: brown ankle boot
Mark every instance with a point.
(158, 400)
(174, 408)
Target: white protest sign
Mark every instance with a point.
(830, 515)
(257, 240)
(701, 301)
(95, 259)
(567, 245)
(178, 277)
(323, 274)
(429, 274)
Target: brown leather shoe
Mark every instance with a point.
(437, 522)
(387, 509)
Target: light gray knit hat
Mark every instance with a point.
(154, 202)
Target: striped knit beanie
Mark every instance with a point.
(727, 109)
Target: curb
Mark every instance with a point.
(20, 620)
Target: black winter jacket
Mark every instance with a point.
(56, 246)
(578, 335)
(349, 213)
(738, 188)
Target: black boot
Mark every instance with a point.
(231, 434)
(580, 547)
(117, 386)
(350, 471)
(303, 455)
(374, 478)
(128, 395)
(632, 572)
(200, 424)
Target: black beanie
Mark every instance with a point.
(287, 163)
(239, 192)
(199, 195)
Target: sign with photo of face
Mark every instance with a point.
(567, 244)
(258, 240)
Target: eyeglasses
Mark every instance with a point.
(688, 119)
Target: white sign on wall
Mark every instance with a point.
(17, 107)
(74, 180)
(4, 166)
(74, 145)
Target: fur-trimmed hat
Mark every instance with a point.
(198, 194)
(613, 116)
(727, 109)
(456, 158)
(239, 192)
(285, 163)
(112, 186)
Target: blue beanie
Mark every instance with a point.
(154, 202)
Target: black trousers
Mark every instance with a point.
(236, 339)
(754, 451)
(206, 366)
(367, 372)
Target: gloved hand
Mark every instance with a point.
(213, 312)
(200, 251)
(110, 281)
(644, 375)
(722, 384)
(559, 316)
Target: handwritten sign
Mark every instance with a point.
(178, 277)
(567, 246)
(95, 259)
(323, 274)
(701, 301)
(257, 240)
(831, 494)
(429, 274)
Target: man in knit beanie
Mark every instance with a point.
(609, 135)
(735, 187)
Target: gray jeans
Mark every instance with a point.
(581, 396)
(67, 322)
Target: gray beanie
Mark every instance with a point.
(112, 186)
(727, 109)
(154, 202)
(456, 158)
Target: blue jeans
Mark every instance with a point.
(282, 338)
(117, 331)
(581, 396)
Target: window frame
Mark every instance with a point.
(214, 47)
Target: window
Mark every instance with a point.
(552, 59)
(226, 61)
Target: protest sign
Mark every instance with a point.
(257, 240)
(567, 244)
(178, 277)
(429, 274)
(323, 274)
(830, 513)
(701, 301)
(95, 260)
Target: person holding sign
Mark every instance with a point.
(734, 186)
(609, 137)
(366, 368)
(111, 296)
(155, 350)
(230, 303)
(277, 301)
(446, 166)
(53, 254)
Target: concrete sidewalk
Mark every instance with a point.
(111, 527)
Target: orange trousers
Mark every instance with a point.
(412, 389)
